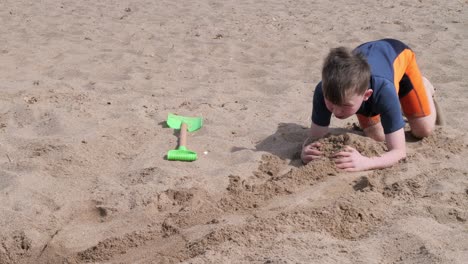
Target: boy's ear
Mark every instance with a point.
(367, 94)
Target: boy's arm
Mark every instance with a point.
(396, 145)
(351, 160)
(317, 131)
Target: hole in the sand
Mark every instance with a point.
(360, 216)
(362, 184)
(102, 211)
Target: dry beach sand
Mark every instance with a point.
(86, 87)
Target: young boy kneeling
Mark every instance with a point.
(376, 81)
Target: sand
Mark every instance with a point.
(86, 87)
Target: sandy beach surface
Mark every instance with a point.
(86, 88)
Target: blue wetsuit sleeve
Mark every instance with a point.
(320, 114)
(388, 105)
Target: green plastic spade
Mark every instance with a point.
(175, 121)
(184, 124)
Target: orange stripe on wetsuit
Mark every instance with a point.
(409, 85)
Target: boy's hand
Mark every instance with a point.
(349, 159)
(311, 152)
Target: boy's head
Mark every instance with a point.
(345, 81)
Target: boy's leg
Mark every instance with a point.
(372, 127)
(423, 124)
(415, 94)
(439, 117)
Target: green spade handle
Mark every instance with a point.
(183, 135)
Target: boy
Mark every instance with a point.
(377, 81)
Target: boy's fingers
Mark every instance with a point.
(316, 152)
(344, 165)
(349, 149)
(314, 146)
(308, 159)
(341, 154)
(343, 160)
(311, 157)
(312, 152)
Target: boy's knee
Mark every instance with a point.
(422, 132)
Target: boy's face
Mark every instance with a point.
(350, 106)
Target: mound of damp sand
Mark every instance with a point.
(331, 144)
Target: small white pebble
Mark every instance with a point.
(205, 152)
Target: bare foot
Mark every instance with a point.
(440, 118)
